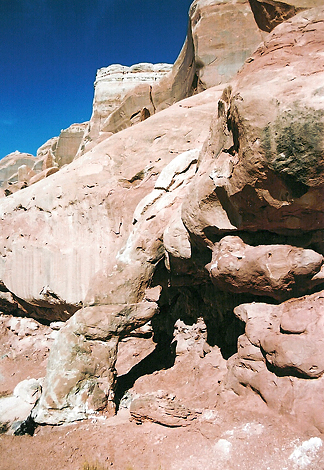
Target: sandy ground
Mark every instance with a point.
(239, 435)
(237, 439)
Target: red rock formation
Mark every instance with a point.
(200, 209)
(281, 349)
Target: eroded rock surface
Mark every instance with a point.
(75, 230)
(14, 168)
(269, 13)
(19, 170)
(281, 349)
(212, 53)
(112, 85)
(201, 209)
(81, 372)
(68, 143)
(260, 270)
(224, 34)
(262, 168)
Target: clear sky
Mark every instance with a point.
(50, 51)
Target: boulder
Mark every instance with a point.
(279, 271)
(15, 410)
(280, 357)
(161, 408)
(81, 370)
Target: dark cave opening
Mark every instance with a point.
(162, 357)
(188, 304)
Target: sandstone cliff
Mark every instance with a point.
(189, 237)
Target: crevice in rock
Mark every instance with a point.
(269, 13)
(194, 85)
(145, 114)
(151, 100)
(188, 304)
(232, 126)
(308, 240)
(287, 371)
(264, 237)
(42, 311)
(215, 235)
(162, 357)
(22, 428)
(257, 391)
(134, 115)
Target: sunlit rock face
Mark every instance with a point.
(65, 229)
(263, 165)
(220, 37)
(257, 203)
(9, 169)
(224, 34)
(280, 357)
(46, 155)
(208, 212)
(19, 170)
(68, 143)
(111, 86)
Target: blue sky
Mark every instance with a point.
(50, 51)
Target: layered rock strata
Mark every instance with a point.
(112, 85)
(213, 52)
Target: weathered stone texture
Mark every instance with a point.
(181, 217)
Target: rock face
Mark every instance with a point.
(281, 349)
(269, 13)
(224, 34)
(213, 52)
(68, 143)
(204, 208)
(221, 35)
(263, 161)
(82, 220)
(19, 170)
(14, 168)
(113, 84)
